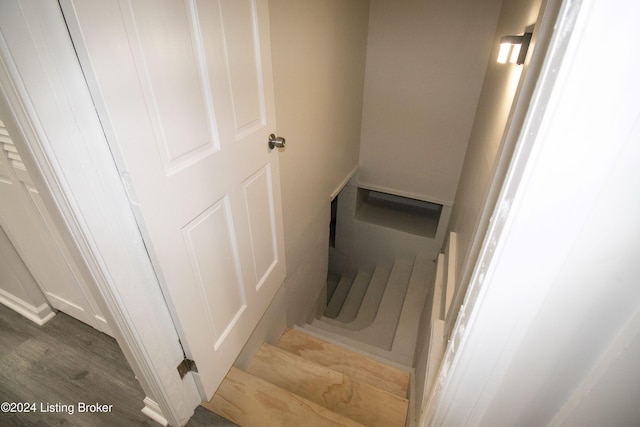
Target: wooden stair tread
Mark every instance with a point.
(358, 367)
(332, 389)
(251, 401)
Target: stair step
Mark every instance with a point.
(367, 350)
(355, 297)
(358, 367)
(329, 388)
(382, 330)
(339, 296)
(332, 283)
(370, 303)
(251, 401)
(405, 339)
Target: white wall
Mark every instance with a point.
(318, 52)
(486, 145)
(18, 289)
(425, 64)
(551, 321)
(610, 395)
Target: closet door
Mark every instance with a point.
(32, 231)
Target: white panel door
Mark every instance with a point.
(185, 94)
(33, 232)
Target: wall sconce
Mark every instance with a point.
(514, 49)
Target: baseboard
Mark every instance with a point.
(39, 315)
(152, 410)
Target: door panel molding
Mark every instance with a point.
(213, 225)
(170, 92)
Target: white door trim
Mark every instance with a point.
(45, 88)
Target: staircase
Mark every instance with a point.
(431, 354)
(351, 366)
(305, 381)
(378, 313)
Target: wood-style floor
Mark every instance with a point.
(66, 362)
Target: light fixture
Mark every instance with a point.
(514, 49)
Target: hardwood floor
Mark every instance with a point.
(64, 363)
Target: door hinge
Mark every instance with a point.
(187, 365)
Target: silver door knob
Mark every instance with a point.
(276, 141)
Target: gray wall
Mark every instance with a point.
(549, 331)
(318, 51)
(486, 142)
(426, 60)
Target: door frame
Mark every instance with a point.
(65, 146)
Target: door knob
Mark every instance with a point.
(276, 141)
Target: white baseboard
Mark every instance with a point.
(152, 410)
(39, 315)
